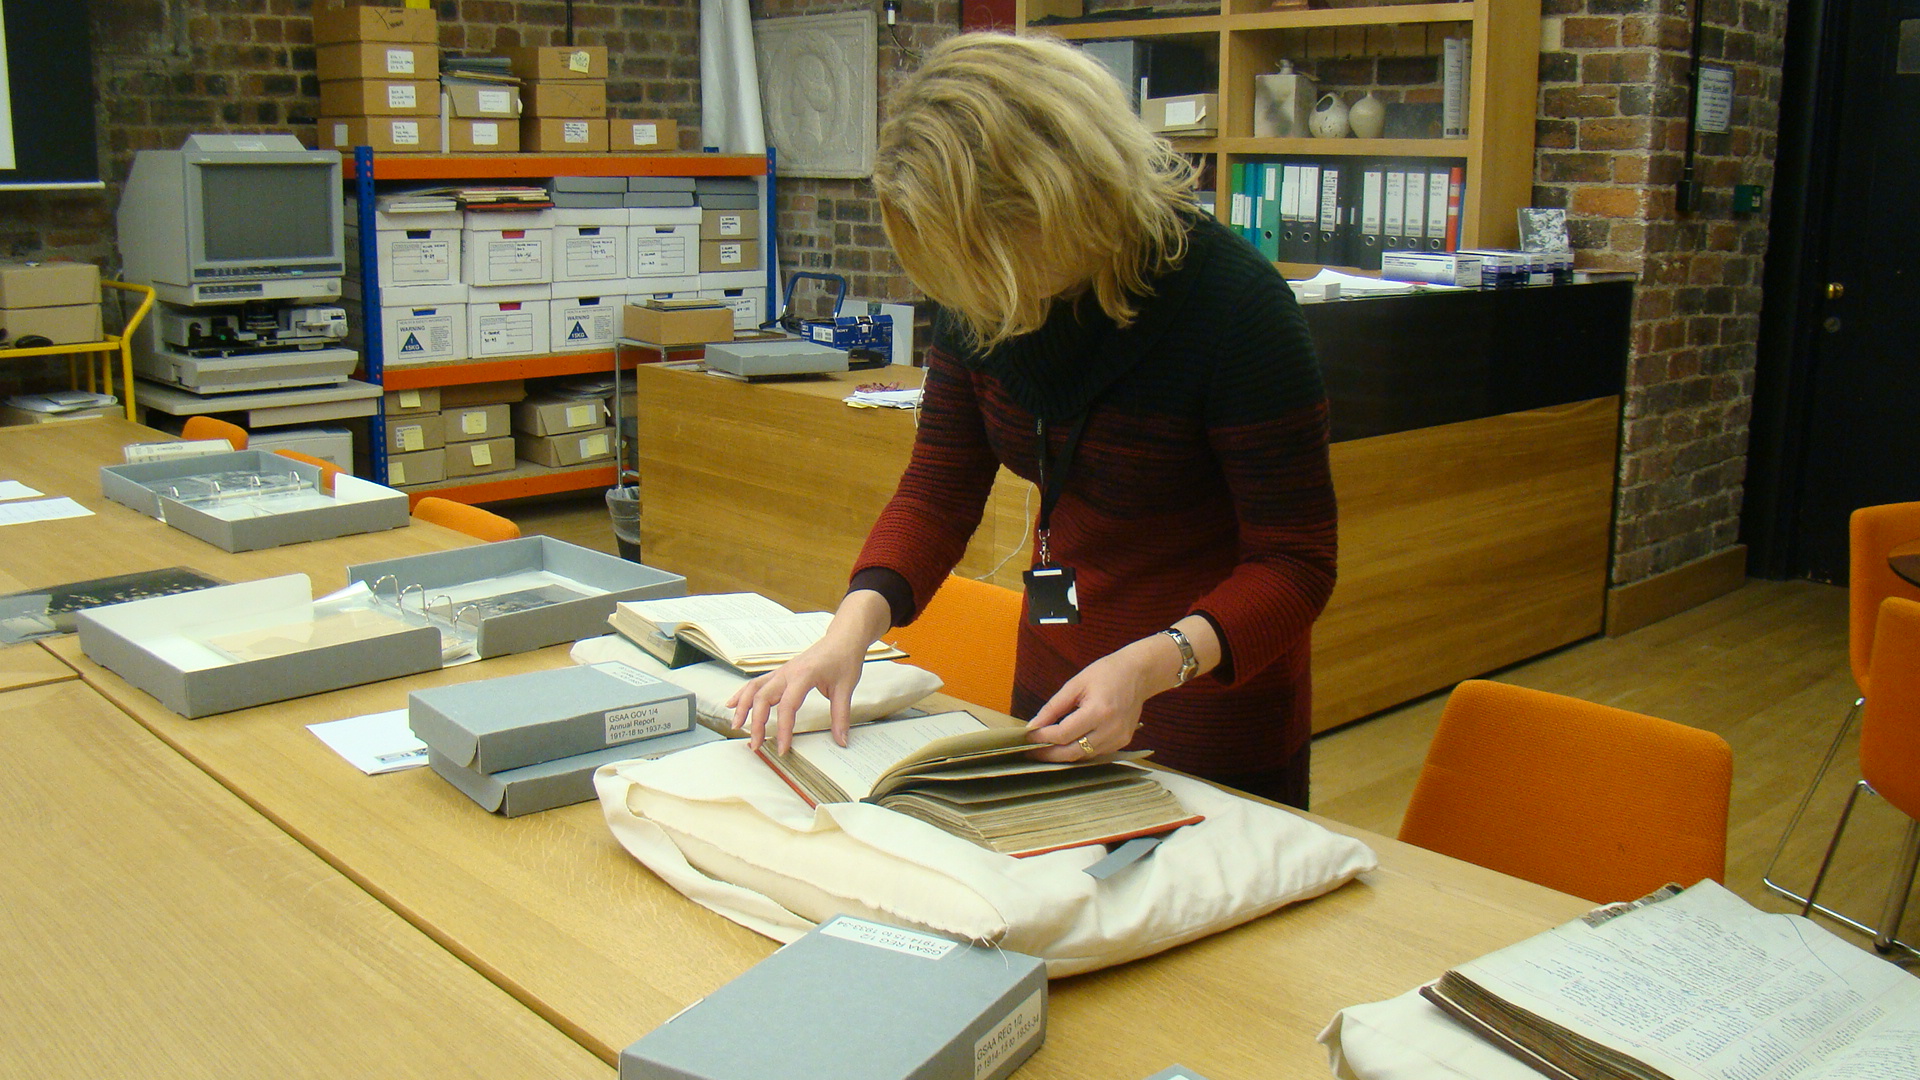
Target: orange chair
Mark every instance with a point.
(212, 427)
(475, 522)
(328, 470)
(965, 635)
(1872, 531)
(1889, 753)
(1595, 801)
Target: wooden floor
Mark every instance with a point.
(1765, 667)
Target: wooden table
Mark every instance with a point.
(65, 459)
(30, 665)
(156, 926)
(1904, 559)
(551, 908)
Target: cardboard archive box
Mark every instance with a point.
(466, 423)
(740, 224)
(663, 242)
(550, 134)
(59, 301)
(678, 325)
(480, 457)
(589, 245)
(425, 467)
(509, 321)
(559, 62)
(409, 249)
(415, 432)
(1185, 114)
(397, 403)
(504, 391)
(559, 415)
(722, 255)
(419, 324)
(365, 23)
(59, 325)
(379, 97)
(583, 321)
(507, 248)
(385, 134)
(561, 451)
(376, 60)
(575, 98)
(657, 136)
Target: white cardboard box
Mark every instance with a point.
(589, 250)
(584, 323)
(655, 251)
(510, 326)
(749, 305)
(160, 645)
(421, 324)
(420, 254)
(513, 248)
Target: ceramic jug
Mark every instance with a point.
(1368, 117)
(1329, 117)
(1282, 103)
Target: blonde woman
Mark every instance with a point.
(1150, 373)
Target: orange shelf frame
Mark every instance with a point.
(524, 166)
(521, 487)
(512, 367)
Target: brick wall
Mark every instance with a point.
(1611, 144)
(1610, 135)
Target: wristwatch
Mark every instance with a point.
(1189, 667)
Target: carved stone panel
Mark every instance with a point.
(818, 79)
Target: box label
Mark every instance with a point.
(513, 260)
(411, 437)
(646, 134)
(587, 324)
(422, 260)
(406, 133)
(399, 61)
(630, 675)
(402, 96)
(924, 946)
(396, 472)
(593, 446)
(494, 101)
(574, 131)
(481, 454)
(642, 721)
(1183, 113)
(409, 399)
(731, 253)
(339, 134)
(658, 255)
(1008, 1036)
(506, 333)
(580, 61)
(729, 224)
(582, 415)
(592, 256)
(486, 133)
(473, 423)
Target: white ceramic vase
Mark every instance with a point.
(1283, 101)
(1329, 117)
(1368, 117)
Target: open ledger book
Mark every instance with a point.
(976, 782)
(1696, 985)
(745, 631)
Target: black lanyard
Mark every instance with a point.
(1053, 482)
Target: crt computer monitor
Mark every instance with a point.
(234, 218)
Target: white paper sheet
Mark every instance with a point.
(375, 743)
(14, 489)
(19, 513)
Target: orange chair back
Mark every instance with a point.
(1591, 800)
(1873, 531)
(328, 470)
(458, 516)
(965, 635)
(1890, 724)
(212, 427)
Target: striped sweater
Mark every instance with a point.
(1200, 485)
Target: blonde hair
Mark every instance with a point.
(1011, 169)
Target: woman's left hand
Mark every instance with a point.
(1097, 710)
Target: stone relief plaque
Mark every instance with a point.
(818, 80)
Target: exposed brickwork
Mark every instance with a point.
(1610, 136)
(1611, 144)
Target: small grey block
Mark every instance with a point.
(589, 183)
(659, 198)
(728, 202)
(588, 200)
(491, 725)
(660, 183)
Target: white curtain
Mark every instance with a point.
(729, 80)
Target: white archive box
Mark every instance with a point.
(419, 324)
(508, 320)
(584, 323)
(749, 305)
(641, 290)
(589, 245)
(235, 646)
(252, 499)
(733, 279)
(411, 249)
(663, 242)
(508, 248)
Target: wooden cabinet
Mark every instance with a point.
(1393, 40)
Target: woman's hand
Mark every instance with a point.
(832, 665)
(1097, 710)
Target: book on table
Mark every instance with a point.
(976, 781)
(1690, 985)
(745, 631)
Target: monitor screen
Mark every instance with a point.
(277, 211)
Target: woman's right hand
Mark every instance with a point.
(832, 665)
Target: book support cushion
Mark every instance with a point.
(718, 825)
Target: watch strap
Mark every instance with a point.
(1189, 665)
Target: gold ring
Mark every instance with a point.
(1088, 747)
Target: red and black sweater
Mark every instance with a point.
(1201, 485)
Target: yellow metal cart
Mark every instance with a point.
(98, 355)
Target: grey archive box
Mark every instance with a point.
(764, 359)
(907, 1004)
(564, 593)
(187, 494)
(491, 725)
(562, 782)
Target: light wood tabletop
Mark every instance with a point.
(65, 459)
(550, 907)
(29, 665)
(157, 926)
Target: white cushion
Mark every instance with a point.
(718, 825)
(886, 686)
(1409, 1038)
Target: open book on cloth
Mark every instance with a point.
(745, 631)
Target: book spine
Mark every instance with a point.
(1454, 85)
(1456, 192)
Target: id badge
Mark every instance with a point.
(1051, 599)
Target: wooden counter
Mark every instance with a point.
(1473, 458)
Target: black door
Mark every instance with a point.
(1837, 410)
